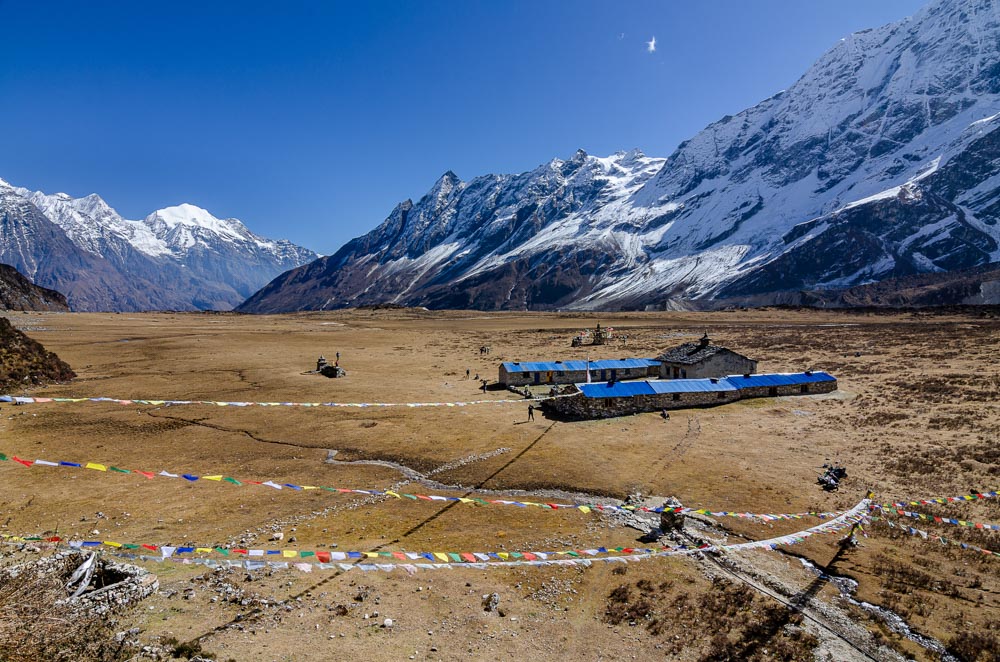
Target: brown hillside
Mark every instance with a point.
(24, 361)
(19, 293)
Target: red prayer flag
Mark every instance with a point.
(324, 557)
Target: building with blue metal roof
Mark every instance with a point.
(525, 373)
(606, 399)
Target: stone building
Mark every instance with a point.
(518, 373)
(606, 400)
(702, 359)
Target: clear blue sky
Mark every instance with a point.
(310, 121)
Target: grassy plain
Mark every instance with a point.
(916, 416)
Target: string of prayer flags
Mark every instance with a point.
(975, 496)
(913, 531)
(276, 485)
(19, 400)
(440, 560)
(943, 520)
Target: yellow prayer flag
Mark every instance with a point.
(309, 487)
(289, 553)
(211, 477)
(203, 550)
(111, 543)
(583, 509)
(441, 556)
(97, 467)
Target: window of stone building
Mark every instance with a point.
(772, 391)
(804, 388)
(676, 397)
(721, 395)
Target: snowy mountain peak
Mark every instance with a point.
(191, 215)
(5, 184)
(181, 257)
(881, 160)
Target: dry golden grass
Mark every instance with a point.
(916, 415)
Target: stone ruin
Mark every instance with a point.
(332, 371)
(93, 584)
(328, 369)
(670, 521)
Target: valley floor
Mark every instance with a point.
(916, 416)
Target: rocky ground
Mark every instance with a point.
(915, 416)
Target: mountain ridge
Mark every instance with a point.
(177, 258)
(736, 208)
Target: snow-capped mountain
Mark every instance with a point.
(880, 161)
(178, 258)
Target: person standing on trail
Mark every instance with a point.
(531, 412)
(467, 372)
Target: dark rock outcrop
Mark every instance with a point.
(19, 293)
(25, 362)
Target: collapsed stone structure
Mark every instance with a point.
(94, 585)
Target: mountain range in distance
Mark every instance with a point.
(882, 161)
(178, 258)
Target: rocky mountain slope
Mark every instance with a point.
(25, 362)
(19, 293)
(881, 161)
(179, 258)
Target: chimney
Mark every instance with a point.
(704, 340)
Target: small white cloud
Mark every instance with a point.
(651, 45)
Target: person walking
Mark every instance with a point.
(531, 412)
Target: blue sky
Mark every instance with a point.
(311, 121)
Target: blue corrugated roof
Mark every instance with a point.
(731, 383)
(691, 386)
(780, 379)
(615, 390)
(572, 366)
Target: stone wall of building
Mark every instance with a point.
(570, 376)
(581, 407)
(719, 364)
(795, 389)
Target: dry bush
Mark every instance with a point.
(24, 361)
(975, 646)
(757, 627)
(33, 627)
